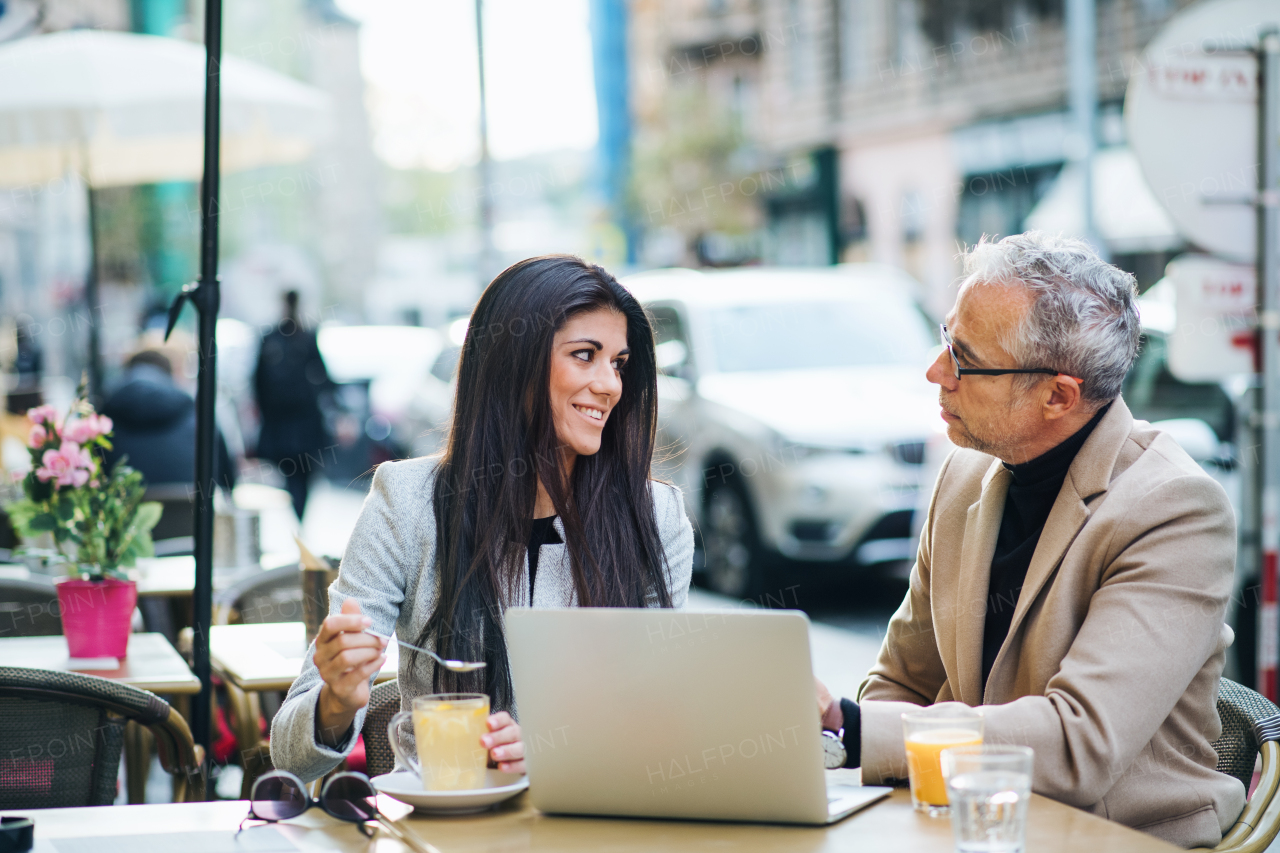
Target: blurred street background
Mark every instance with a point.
(786, 184)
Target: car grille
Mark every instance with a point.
(807, 530)
(909, 452)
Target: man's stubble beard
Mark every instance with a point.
(1001, 447)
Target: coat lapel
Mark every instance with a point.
(1088, 476)
(980, 530)
(1068, 515)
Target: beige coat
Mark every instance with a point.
(1110, 669)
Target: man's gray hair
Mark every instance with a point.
(1084, 318)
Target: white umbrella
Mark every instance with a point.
(120, 109)
(128, 109)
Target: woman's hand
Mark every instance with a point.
(504, 744)
(346, 658)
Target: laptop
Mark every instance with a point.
(706, 715)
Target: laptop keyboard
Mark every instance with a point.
(839, 792)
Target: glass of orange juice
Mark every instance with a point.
(445, 749)
(927, 732)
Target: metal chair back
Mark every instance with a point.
(64, 732)
(29, 608)
(177, 524)
(270, 596)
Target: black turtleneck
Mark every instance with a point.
(1033, 489)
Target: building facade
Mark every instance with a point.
(884, 130)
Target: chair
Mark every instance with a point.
(270, 596)
(177, 517)
(29, 608)
(1250, 724)
(384, 703)
(63, 734)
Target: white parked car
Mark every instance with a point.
(793, 412)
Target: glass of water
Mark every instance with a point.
(989, 787)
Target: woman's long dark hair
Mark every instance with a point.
(502, 440)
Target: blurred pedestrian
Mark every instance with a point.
(28, 362)
(155, 425)
(287, 384)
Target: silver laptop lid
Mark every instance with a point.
(661, 713)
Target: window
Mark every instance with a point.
(672, 346)
(815, 335)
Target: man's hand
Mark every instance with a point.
(828, 708)
(504, 744)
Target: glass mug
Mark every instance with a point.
(447, 728)
(925, 734)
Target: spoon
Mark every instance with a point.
(451, 665)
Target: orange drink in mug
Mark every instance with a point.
(926, 733)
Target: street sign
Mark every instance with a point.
(1191, 113)
(1216, 307)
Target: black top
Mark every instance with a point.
(1032, 493)
(543, 532)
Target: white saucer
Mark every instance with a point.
(407, 788)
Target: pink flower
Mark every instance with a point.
(38, 436)
(42, 414)
(84, 430)
(68, 465)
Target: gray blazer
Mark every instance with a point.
(388, 569)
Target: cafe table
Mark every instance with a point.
(152, 662)
(269, 656)
(890, 825)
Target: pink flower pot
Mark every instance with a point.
(96, 616)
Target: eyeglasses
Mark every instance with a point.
(280, 795)
(991, 371)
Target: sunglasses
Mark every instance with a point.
(280, 795)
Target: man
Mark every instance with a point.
(1075, 564)
(287, 384)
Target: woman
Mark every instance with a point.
(542, 497)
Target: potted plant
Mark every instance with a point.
(96, 518)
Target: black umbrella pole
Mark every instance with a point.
(206, 298)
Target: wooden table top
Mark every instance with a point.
(269, 656)
(152, 662)
(516, 826)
